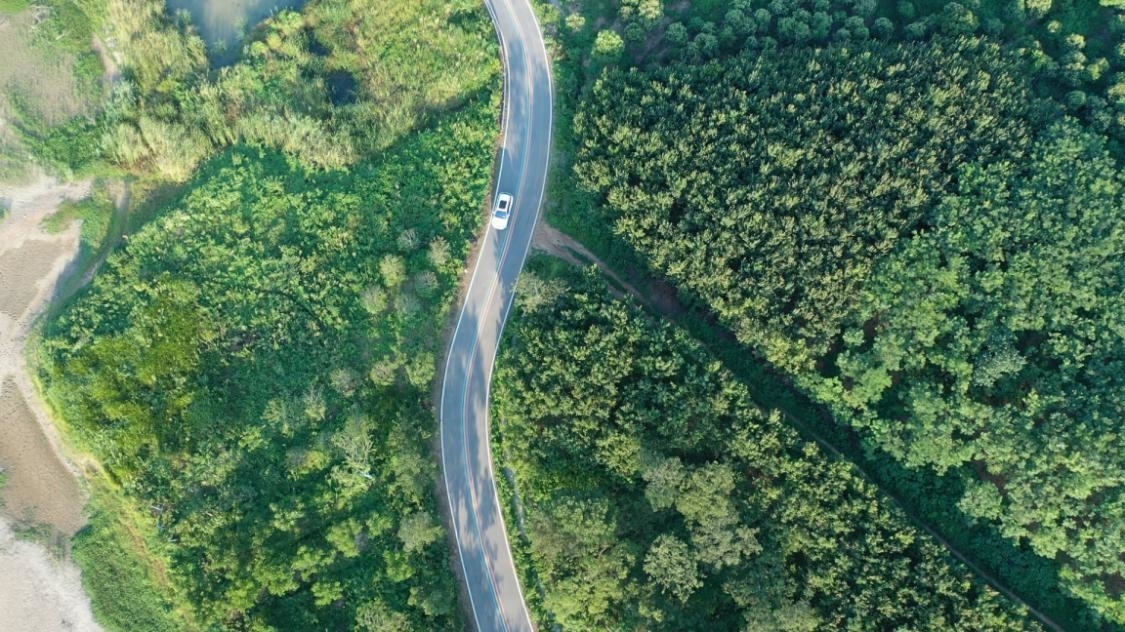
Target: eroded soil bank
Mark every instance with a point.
(38, 592)
(39, 589)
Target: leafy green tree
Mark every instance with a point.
(1038, 8)
(670, 563)
(376, 616)
(577, 549)
(418, 531)
(608, 45)
(725, 518)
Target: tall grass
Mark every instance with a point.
(128, 585)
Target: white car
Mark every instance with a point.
(502, 211)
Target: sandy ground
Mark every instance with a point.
(40, 488)
(38, 592)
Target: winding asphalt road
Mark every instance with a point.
(495, 595)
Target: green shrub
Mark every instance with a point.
(125, 597)
(14, 6)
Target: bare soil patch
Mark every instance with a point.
(40, 485)
(653, 292)
(552, 241)
(39, 593)
(40, 488)
(38, 590)
(18, 271)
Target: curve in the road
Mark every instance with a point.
(495, 596)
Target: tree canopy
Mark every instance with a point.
(254, 368)
(918, 222)
(658, 497)
(769, 184)
(996, 339)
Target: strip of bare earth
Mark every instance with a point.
(42, 497)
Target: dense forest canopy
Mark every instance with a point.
(252, 368)
(915, 211)
(255, 367)
(658, 497)
(995, 339)
(771, 182)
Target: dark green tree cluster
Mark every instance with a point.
(996, 338)
(914, 237)
(769, 184)
(254, 368)
(658, 497)
(1075, 46)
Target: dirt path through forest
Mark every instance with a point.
(554, 242)
(657, 294)
(38, 590)
(664, 300)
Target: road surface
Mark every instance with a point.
(495, 596)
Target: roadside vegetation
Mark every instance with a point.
(658, 496)
(128, 583)
(252, 367)
(912, 212)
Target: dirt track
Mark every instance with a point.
(38, 591)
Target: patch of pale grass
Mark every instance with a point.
(43, 78)
(43, 82)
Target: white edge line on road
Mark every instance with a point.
(465, 449)
(512, 296)
(488, 449)
(461, 318)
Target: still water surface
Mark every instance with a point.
(224, 23)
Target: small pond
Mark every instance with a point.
(224, 23)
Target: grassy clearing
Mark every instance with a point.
(9, 7)
(128, 585)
